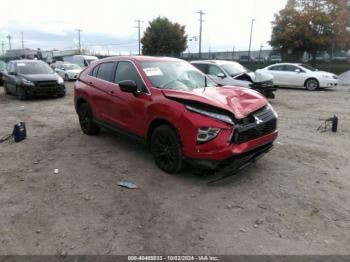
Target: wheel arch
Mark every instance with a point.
(154, 125)
(310, 78)
(81, 100)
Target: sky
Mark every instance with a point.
(109, 25)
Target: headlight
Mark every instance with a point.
(206, 134)
(60, 80)
(327, 76)
(217, 116)
(27, 82)
(269, 106)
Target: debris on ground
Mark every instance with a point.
(127, 184)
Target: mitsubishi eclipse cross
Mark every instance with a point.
(176, 110)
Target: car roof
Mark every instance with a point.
(141, 59)
(279, 64)
(218, 62)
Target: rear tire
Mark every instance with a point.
(312, 84)
(86, 120)
(167, 150)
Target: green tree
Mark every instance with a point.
(311, 26)
(162, 37)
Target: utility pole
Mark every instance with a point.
(233, 53)
(79, 40)
(201, 13)
(9, 37)
(250, 41)
(138, 21)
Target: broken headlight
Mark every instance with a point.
(217, 116)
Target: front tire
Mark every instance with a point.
(66, 78)
(312, 84)
(167, 150)
(7, 92)
(86, 120)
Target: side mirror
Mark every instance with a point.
(12, 73)
(128, 86)
(297, 70)
(221, 75)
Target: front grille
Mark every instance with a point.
(259, 123)
(46, 83)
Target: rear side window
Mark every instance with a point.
(94, 71)
(276, 68)
(127, 71)
(105, 71)
(214, 70)
(202, 67)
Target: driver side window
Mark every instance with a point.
(214, 70)
(127, 71)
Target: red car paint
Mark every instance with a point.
(138, 114)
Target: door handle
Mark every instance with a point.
(91, 84)
(111, 92)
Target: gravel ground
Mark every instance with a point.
(295, 200)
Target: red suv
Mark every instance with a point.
(176, 110)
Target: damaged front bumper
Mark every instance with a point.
(266, 88)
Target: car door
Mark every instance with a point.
(127, 109)
(277, 72)
(293, 76)
(100, 80)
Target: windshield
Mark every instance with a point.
(33, 68)
(234, 69)
(308, 67)
(177, 75)
(70, 67)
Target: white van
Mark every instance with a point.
(81, 60)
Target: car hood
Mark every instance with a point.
(74, 71)
(322, 73)
(237, 100)
(41, 77)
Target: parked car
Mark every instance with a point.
(176, 110)
(81, 60)
(2, 69)
(275, 59)
(56, 64)
(259, 59)
(245, 59)
(68, 71)
(227, 73)
(300, 75)
(26, 78)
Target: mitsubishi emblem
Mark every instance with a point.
(258, 121)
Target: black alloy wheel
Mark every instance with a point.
(167, 150)
(86, 120)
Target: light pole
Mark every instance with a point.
(201, 13)
(250, 40)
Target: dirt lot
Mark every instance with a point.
(296, 200)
